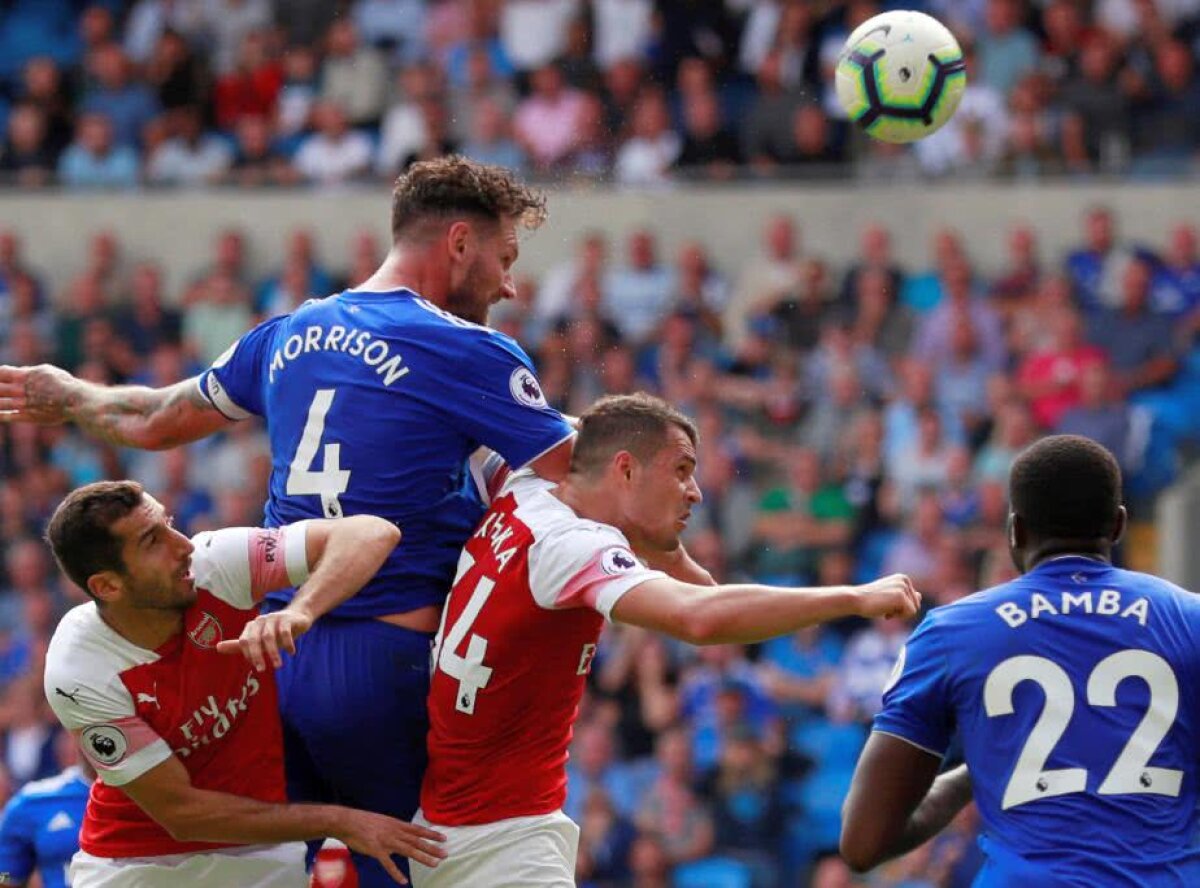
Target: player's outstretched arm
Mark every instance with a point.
(895, 804)
(744, 614)
(190, 814)
(343, 555)
(128, 415)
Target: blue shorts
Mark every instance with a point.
(352, 700)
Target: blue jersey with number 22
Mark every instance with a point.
(374, 403)
(1076, 693)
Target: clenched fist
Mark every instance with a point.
(40, 394)
(892, 596)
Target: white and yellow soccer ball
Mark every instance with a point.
(901, 76)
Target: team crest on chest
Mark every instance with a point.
(207, 633)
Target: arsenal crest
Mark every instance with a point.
(207, 633)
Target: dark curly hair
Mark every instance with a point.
(453, 185)
(79, 532)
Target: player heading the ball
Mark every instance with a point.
(536, 582)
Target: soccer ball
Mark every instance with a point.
(900, 76)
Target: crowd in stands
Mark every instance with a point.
(855, 421)
(641, 92)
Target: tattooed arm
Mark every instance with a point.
(130, 416)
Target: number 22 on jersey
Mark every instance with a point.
(1130, 773)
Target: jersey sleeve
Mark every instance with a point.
(240, 565)
(584, 565)
(497, 400)
(234, 382)
(18, 855)
(96, 708)
(917, 705)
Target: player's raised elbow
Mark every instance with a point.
(699, 625)
(861, 853)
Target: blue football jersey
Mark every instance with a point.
(40, 829)
(1075, 691)
(374, 403)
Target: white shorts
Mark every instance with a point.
(254, 866)
(522, 852)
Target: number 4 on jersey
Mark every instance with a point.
(472, 675)
(331, 480)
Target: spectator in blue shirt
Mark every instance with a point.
(93, 161)
(129, 105)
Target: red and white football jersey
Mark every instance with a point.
(132, 708)
(535, 584)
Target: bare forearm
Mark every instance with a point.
(222, 817)
(352, 555)
(745, 614)
(950, 793)
(145, 418)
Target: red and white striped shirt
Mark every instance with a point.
(132, 708)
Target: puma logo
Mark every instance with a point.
(71, 696)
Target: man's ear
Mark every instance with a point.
(1122, 523)
(106, 586)
(625, 463)
(1016, 531)
(459, 240)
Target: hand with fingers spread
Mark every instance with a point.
(40, 394)
(379, 836)
(264, 637)
(890, 596)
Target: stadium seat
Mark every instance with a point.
(713, 872)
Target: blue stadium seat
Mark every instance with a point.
(713, 872)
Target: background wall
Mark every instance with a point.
(177, 229)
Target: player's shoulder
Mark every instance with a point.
(85, 659)
(466, 334)
(549, 518)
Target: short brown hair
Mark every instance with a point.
(453, 185)
(638, 423)
(79, 532)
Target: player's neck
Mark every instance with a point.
(149, 629)
(405, 267)
(1052, 549)
(587, 499)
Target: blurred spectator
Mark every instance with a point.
(766, 131)
(1176, 287)
(646, 157)
(256, 162)
(748, 809)
(1093, 266)
(491, 138)
(146, 321)
(547, 122)
(28, 159)
(936, 332)
(1139, 343)
(874, 254)
(870, 656)
(191, 156)
(128, 105)
(605, 840)
(1022, 274)
(1096, 126)
(710, 149)
(251, 87)
(974, 137)
(353, 76)
(42, 86)
(179, 76)
(1102, 416)
(638, 292)
(1049, 377)
(29, 736)
(397, 26)
(534, 32)
(334, 153)
(229, 22)
(922, 291)
(218, 314)
(94, 161)
(765, 278)
(1013, 431)
(298, 92)
(1167, 134)
(622, 29)
(481, 82)
(1006, 50)
(404, 131)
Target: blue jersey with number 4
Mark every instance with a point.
(40, 829)
(1076, 693)
(374, 403)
